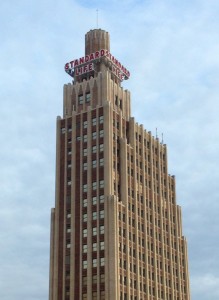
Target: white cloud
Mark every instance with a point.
(205, 283)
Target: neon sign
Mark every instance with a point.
(86, 64)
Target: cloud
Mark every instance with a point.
(202, 285)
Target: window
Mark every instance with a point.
(94, 247)
(102, 279)
(84, 248)
(101, 163)
(84, 188)
(87, 97)
(102, 246)
(63, 130)
(101, 119)
(68, 215)
(94, 185)
(84, 217)
(102, 261)
(101, 148)
(84, 280)
(84, 264)
(94, 200)
(116, 100)
(84, 297)
(85, 124)
(85, 166)
(94, 149)
(94, 263)
(94, 279)
(102, 295)
(101, 184)
(94, 135)
(84, 202)
(69, 182)
(67, 260)
(68, 245)
(102, 214)
(101, 133)
(94, 231)
(85, 232)
(80, 99)
(94, 296)
(94, 215)
(102, 229)
(85, 151)
(101, 198)
(94, 163)
(85, 138)
(94, 122)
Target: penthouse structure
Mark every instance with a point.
(116, 230)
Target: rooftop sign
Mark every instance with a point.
(85, 64)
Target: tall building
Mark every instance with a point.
(116, 230)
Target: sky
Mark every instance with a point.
(172, 51)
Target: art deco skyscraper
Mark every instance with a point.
(116, 230)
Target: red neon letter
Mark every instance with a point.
(81, 60)
(72, 63)
(85, 69)
(102, 52)
(90, 67)
(87, 58)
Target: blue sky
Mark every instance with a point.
(172, 51)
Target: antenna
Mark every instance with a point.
(97, 18)
(156, 132)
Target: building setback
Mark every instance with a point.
(116, 230)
